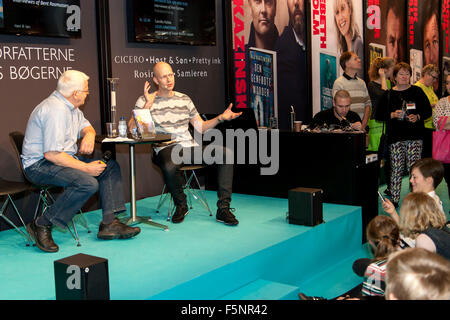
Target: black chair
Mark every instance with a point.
(8, 189)
(45, 197)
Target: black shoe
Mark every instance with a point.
(180, 212)
(116, 230)
(303, 296)
(42, 236)
(224, 215)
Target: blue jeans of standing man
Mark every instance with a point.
(78, 188)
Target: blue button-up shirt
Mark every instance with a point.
(54, 125)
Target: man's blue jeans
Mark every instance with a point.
(78, 188)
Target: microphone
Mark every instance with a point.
(106, 156)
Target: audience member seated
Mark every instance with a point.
(338, 117)
(422, 221)
(172, 112)
(51, 156)
(426, 175)
(417, 274)
(383, 235)
(403, 108)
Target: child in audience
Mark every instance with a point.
(383, 235)
(417, 274)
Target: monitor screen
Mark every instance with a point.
(190, 22)
(55, 18)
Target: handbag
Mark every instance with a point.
(441, 142)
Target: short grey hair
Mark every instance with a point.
(70, 81)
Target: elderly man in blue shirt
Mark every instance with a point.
(49, 156)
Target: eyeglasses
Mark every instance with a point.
(167, 76)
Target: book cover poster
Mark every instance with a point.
(416, 63)
(376, 51)
(144, 123)
(327, 76)
(263, 78)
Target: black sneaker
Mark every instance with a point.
(180, 212)
(42, 236)
(116, 230)
(224, 215)
(303, 296)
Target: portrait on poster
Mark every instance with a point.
(336, 27)
(277, 26)
(385, 30)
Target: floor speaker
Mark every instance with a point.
(305, 206)
(81, 277)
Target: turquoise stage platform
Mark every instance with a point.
(263, 257)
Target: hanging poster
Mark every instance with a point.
(278, 26)
(423, 36)
(336, 27)
(385, 30)
(445, 43)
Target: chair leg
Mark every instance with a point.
(74, 234)
(162, 198)
(200, 195)
(26, 235)
(187, 185)
(84, 221)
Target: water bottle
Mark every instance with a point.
(122, 128)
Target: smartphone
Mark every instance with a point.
(381, 197)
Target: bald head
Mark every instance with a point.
(164, 77)
(160, 66)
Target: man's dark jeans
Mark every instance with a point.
(78, 188)
(174, 179)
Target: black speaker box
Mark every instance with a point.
(305, 206)
(81, 277)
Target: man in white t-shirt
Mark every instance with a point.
(172, 113)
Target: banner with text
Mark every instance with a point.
(336, 27)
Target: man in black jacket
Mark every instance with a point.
(292, 67)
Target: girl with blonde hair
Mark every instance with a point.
(423, 221)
